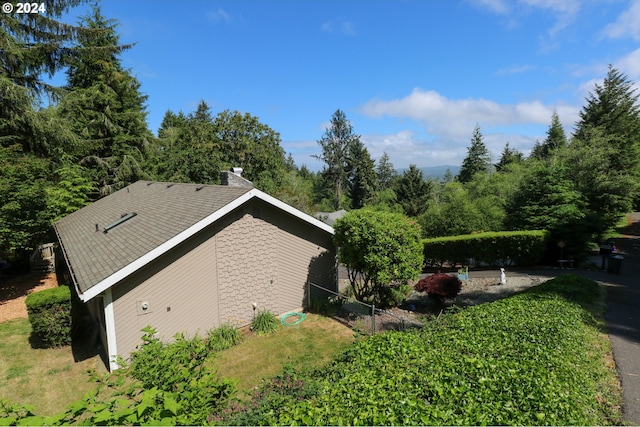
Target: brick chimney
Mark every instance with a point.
(233, 178)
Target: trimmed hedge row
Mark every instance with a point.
(50, 315)
(492, 248)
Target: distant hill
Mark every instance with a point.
(435, 172)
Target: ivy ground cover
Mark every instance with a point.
(536, 358)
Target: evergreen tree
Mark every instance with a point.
(507, 157)
(413, 191)
(556, 140)
(105, 108)
(362, 178)
(32, 45)
(613, 108)
(386, 172)
(477, 160)
(335, 143)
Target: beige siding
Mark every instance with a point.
(247, 269)
(180, 289)
(255, 254)
(305, 253)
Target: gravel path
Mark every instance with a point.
(476, 291)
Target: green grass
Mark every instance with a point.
(313, 342)
(536, 358)
(48, 379)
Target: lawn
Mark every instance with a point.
(48, 379)
(313, 342)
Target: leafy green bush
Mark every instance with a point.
(50, 315)
(223, 337)
(493, 248)
(264, 322)
(530, 359)
(380, 250)
(181, 367)
(440, 285)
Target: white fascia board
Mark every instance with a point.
(108, 282)
(293, 211)
(163, 248)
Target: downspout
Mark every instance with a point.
(110, 326)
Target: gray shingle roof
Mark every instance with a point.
(163, 211)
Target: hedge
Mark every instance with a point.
(50, 315)
(492, 248)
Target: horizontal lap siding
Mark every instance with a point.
(181, 290)
(305, 253)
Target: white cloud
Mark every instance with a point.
(458, 117)
(627, 24)
(630, 64)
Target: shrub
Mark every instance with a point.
(265, 322)
(380, 250)
(223, 337)
(440, 285)
(493, 248)
(50, 315)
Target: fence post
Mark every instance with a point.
(373, 319)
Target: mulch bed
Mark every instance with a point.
(14, 290)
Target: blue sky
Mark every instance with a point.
(414, 77)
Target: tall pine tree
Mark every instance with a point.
(477, 160)
(335, 143)
(105, 108)
(32, 46)
(613, 108)
(362, 178)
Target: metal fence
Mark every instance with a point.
(362, 317)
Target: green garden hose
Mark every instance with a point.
(301, 316)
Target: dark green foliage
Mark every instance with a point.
(197, 146)
(50, 315)
(362, 178)
(413, 191)
(264, 323)
(381, 251)
(104, 108)
(507, 157)
(493, 248)
(607, 191)
(526, 360)
(477, 160)
(335, 145)
(33, 45)
(440, 285)
(24, 218)
(613, 108)
(546, 199)
(243, 141)
(386, 172)
(556, 140)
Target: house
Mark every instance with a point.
(189, 258)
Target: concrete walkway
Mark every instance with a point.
(623, 318)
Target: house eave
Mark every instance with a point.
(131, 268)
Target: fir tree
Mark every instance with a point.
(477, 160)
